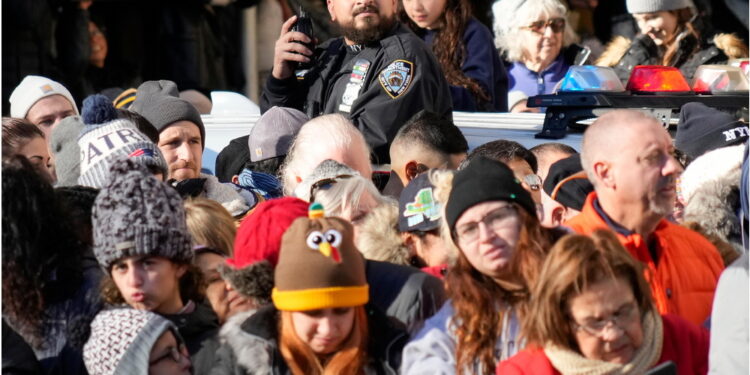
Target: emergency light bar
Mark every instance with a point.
(657, 90)
(743, 64)
(719, 79)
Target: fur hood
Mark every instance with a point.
(250, 352)
(710, 192)
(732, 46)
(227, 195)
(379, 239)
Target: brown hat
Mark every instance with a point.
(319, 266)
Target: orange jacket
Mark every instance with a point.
(684, 278)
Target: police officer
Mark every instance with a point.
(378, 74)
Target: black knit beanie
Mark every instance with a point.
(702, 129)
(159, 102)
(485, 180)
(567, 183)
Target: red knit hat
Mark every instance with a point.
(257, 246)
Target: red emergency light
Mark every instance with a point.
(651, 79)
(719, 79)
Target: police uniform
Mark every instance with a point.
(378, 86)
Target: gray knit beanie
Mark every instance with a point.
(64, 147)
(106, 135)
(650, 6)
(121, 341)
(159, 102)
(327, 169)
(136, 214)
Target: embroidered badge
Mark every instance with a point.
(423, 205)
(46, 88)
(396, 77)
(354, 86)
(142, 152)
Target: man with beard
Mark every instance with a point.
(629, 159)
(379, 73)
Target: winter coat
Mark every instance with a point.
(18, 357)
(524, 82)
(252, 347)
(622, 54)
(481, 63)
(199, 329)
(684, 343)
(433, 349)
(404, 293)
(378, 86)
(66, 325)
(229, 195)
(729, 321)
(684, 276)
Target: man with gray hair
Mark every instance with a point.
(629, 159)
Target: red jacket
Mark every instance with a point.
(684, 278)
(685, 344)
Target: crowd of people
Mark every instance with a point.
(121, 255)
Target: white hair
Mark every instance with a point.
(314, 141)
(347, 193)
(511, 15)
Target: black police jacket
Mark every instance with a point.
(378, 86)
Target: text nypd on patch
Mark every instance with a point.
(397, 77)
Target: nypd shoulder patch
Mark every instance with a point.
(397, 77)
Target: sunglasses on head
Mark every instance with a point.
(326, 184)
(557, 25)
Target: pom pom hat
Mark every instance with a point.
(319, 265)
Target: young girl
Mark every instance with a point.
(465, 50)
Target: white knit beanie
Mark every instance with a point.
(650, 6)
(121, 341)
(31, 90)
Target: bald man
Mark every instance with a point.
(629, 159)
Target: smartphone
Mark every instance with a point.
(666, 368)
(304, 25)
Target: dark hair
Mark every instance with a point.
(552, 146)
(434, 132)
(78, 202)
(16, 134)
(41, 261)
(141, 123)
(449, 47)
(271, 166)
(503, 151)
(192, 286)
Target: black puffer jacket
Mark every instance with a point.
(252, 347)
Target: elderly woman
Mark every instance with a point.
(498, 247)
(535, 37)
(669, 36)
(594, 315)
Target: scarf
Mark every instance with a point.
(263, 183)
(569, 362)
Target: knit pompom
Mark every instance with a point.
(98, 109)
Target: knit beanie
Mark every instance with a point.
(105, 136)
(63, 144)
(274, 132)
(159, 102)
(136, 214)
(257, 245)
(702, 129)
(319, 265)
(31, 90)
(650, 6)
(327, 169)
(121, 341)
(567, 183)
(485, 180)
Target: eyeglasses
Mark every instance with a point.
(495, 220)
(326, 184)
(534, 181)
(620, 319)
(174, 353)
(557, 25)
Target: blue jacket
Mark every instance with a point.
(481, 63)
(525, 83)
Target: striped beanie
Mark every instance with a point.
(121, 341)
(106, 137)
